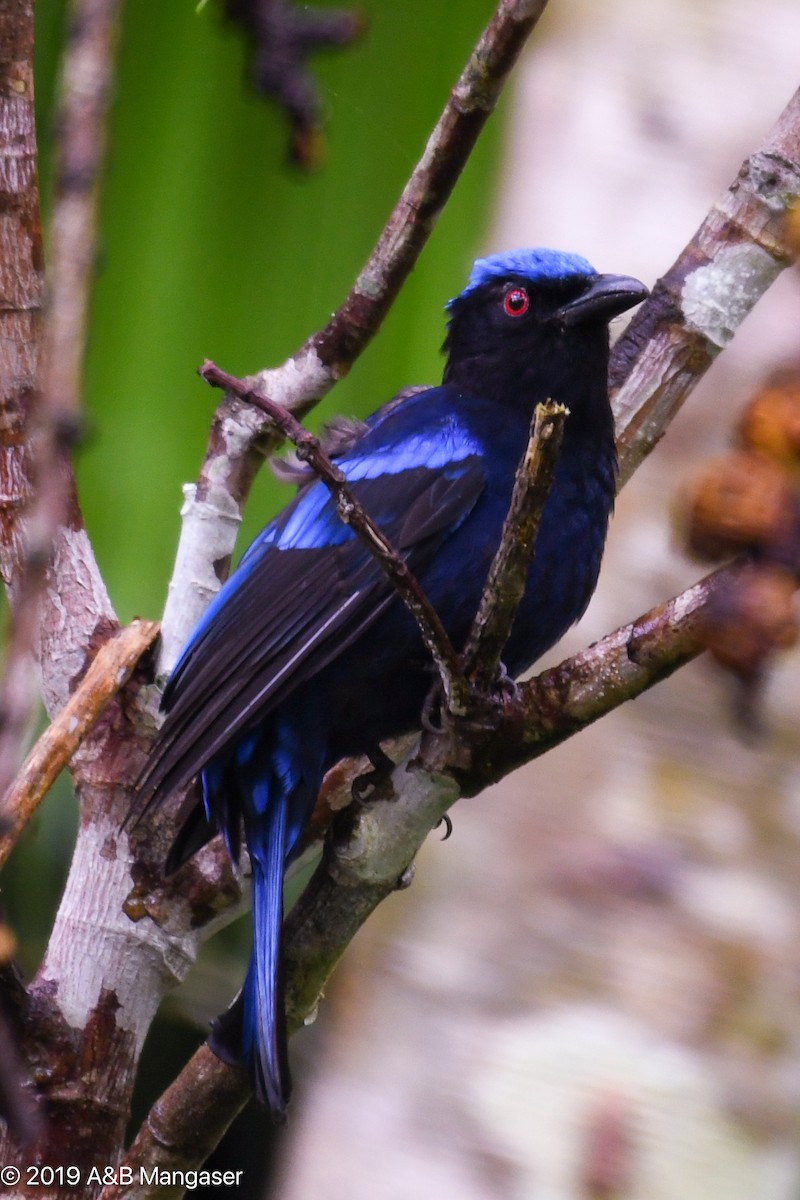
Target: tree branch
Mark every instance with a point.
(71, 1020)
(696, 308)
(45, 549)
(561, 701)
(77, 607)
(508, 573)
(183, 1126)
(110, 669)
(20, 330)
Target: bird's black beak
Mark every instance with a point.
(605, 297)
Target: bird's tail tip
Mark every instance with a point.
(234, 1039)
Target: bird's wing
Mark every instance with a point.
(304, 591)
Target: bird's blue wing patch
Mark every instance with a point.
(435, 450)
(312, 521)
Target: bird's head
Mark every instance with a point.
(533, 310)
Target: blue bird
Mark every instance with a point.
(307, 655)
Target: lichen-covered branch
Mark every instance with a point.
(696, 307)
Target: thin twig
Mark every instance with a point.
(239, 437)
(110, 669)
(353, 514)
(508, 573)
(472, 101)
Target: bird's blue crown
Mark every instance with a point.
(534, 262)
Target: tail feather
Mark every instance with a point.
(263, 1016)
(272, 780)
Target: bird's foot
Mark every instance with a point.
(382, 767)
(504, 685)
(483, 706)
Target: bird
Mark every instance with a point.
(307, 655)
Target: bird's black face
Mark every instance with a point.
(509, 322)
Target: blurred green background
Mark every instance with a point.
(211, 245)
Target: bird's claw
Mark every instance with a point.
(380, 760)
(363, 784)
(448, 826)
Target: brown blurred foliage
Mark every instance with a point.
(748, 503)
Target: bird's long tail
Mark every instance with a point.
(273, 781)
(264, 1019)
(253, 1030)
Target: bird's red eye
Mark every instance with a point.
(516, 302)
